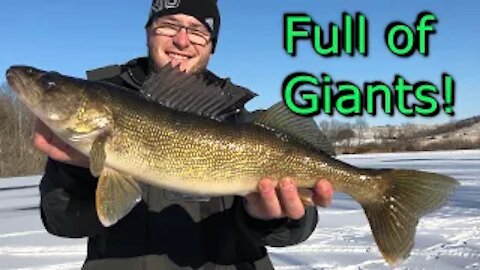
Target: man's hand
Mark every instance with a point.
(47, 142)
(267, 204)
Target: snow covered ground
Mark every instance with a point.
(446, 239)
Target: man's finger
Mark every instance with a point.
(290, 200)
(59, 150)
(46, 141)
(269, 199)
(323, 193)
(42, 137)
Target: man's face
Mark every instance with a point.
(179, 48)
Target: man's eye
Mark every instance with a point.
(195, 33)
(165, 29)
(167, 25)
(199, 33)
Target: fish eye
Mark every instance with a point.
(47, 83)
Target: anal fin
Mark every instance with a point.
(306, 196)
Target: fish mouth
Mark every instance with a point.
(14, 78)
(23, 80)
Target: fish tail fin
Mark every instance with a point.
(410, 195)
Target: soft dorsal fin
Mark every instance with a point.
(192, 93)
(281, 119)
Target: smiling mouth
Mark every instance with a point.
(175, 56)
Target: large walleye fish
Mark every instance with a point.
(177, 144)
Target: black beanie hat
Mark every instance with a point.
(205, 11)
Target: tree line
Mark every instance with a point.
(18, 156)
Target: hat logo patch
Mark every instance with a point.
(209, 21)
(159, 5)
(171, 3)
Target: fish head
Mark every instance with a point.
(23, 80)
(71, 107)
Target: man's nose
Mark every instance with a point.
(181, 39)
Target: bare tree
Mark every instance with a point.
(17, 153)
(345, 136)
(331, 127)
(361, 123)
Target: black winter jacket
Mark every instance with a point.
(164, 231)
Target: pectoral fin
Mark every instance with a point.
(116, 196)
(97, 155)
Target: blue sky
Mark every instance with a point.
(73, 36)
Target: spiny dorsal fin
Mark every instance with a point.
(281, 119)
(192, 93)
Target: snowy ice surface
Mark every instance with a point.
(446, 239)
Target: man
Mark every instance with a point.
(169, 230)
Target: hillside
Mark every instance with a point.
(462, 134)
